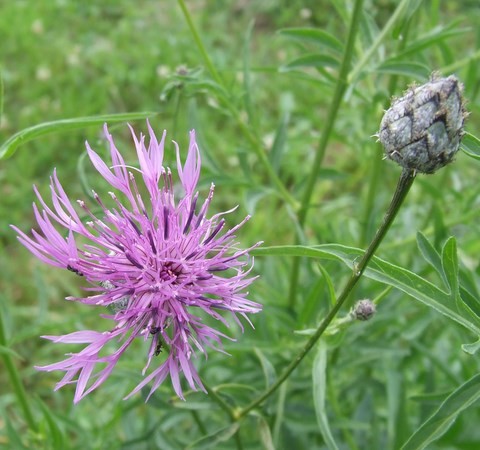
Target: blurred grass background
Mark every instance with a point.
(62, 59)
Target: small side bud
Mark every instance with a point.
(422, 130)
(363, 310)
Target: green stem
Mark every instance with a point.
(2, 94)
(203, 51)
(252, 139)
(220, 401)
(340, 89)
(404, 183)
(367, 57)
(226, 407)
(198, 421)
(15, 380)
(176, 112)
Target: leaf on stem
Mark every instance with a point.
(441, 420)
(431, 255)
(317, 60)
(410, 69)
(471, 146)
(316, 36)
(387, 273)
(215, 438)
(450, 266)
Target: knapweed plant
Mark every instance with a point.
(317, 300)
(158, 262)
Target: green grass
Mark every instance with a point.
(260, 118)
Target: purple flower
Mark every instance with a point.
(159, 264)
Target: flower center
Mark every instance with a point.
(169, 273)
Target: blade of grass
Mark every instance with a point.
(11, 145)
(17, 386)
(319, 382)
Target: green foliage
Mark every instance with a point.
(10, 146)
(262, 84)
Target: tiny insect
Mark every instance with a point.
(158, 348)
(75, 271)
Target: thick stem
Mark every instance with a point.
(404, 183)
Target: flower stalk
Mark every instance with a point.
(404, 183)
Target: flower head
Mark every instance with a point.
(422, 130)
(157, 262)
(363, 310)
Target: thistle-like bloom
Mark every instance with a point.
(159, 264)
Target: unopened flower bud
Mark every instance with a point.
(422, 130)
(363, 310)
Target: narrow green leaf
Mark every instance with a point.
(471, 146)
(246, 74)
(384, 272)
(331, 288)
(265, 434)
(252, 197)
(399, 29)
(431, 256)
(13, 436)
(368, 55)
(279, 143)
(11, 145)
(319, 384)
(312, 60)
(311, 304)
(2, 96)
(315, 35)
(435, 36)
(280, 412)
(267, 368)
(396, 414)
(472, 348)
(215, 438)
(470, 302)
(55, 433)
(198, 85)
(441, 420)
(450, 265)
(410, 69)
(8, 351)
